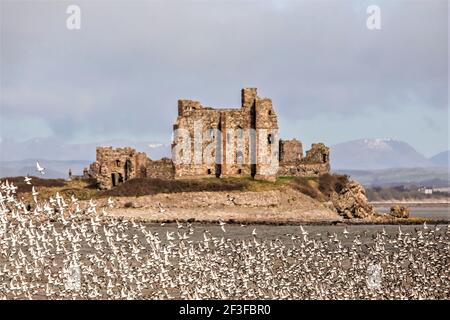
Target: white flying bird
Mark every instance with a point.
(222, 226)
(161, 209)
(304, 232)
(169, 236)
(110, 202)
(40, 169)
(345, 232)
(27, 180)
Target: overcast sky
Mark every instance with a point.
(330, 78)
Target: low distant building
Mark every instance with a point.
(442, 189)
(425, 190)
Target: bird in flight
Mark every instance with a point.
(345, 232)
(161, 209)
(110, 202)
(40, 169)
(27, 180)
(222, 226)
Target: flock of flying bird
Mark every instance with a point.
(64, 249)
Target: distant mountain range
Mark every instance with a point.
(54, 169)
(19, 158)
(430, 177)
(378, 154)
(384, 162)
(441, 159)
(371, 161)
(55, 149)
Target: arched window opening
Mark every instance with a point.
(211, 133)
(239, 157)
(239, 133)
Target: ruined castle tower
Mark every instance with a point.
(226, 142)
(115, 166)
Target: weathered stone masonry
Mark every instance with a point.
(115, 166)
(235, 142)
(292, 162)
(248, 136)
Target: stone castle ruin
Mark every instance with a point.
(209, 142)
(115, 166)
(237, 142)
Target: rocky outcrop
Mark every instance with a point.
(351, 201)
(398, 211)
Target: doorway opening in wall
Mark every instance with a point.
(324, 157)
(209, 171)
(218, 170)
(127, 170)
(239, 171)
(143, 171)
(114, 179)
(253, 170)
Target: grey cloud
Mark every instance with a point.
(122, 73)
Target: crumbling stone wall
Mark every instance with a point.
(291, 151)
(115, 166)
(319, 153)
(292, 163)
(162, 169)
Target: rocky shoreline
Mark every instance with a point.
(386, 222)
(285, 206)
(346, 222)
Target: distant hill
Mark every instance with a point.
(19, 158)
(430, 177)
(376, 154)
(55, 149)
(54, 168)
(441, 159)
